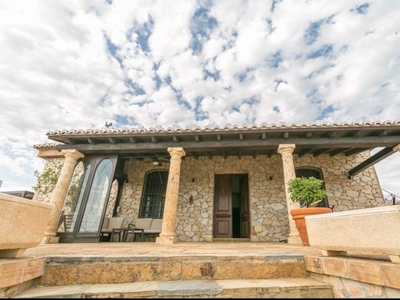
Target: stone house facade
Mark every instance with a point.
(255, 178)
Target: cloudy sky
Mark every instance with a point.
(76, 64)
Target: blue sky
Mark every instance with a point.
(77, 64)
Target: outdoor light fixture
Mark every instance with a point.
(157, 163)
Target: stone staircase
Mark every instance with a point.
(177, 276)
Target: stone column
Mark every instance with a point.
(167, 235)
(396, 148)
(59, 194)
(289, 173)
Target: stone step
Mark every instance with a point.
(102, 269)
(245, 288)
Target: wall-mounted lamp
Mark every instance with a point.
(157, 163)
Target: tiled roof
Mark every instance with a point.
(227, 127)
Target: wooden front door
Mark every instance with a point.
(223, 207)
(231, 206)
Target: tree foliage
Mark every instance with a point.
(306, 190)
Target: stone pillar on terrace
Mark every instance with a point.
(396, 148)
(289, 173)
(59, 194)
(167, 235)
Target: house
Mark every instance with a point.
(212, 183)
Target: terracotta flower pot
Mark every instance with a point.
(299, 214)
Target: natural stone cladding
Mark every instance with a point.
(267, 200)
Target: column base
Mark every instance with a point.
(166, 240)
(50, 240)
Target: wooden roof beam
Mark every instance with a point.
(270, 153)
(355, 151)
(197, 138)
(224, 154)
(240, 154)
(112, 140)
(91, 141)
(218, 137)
(371, 161)
(132, 140)
(263, 136)
(337, 143)
(194, 155)
(304, 152)
(308, 134)
(175, 138)
(320, 151)
(255, 152)
(338, 151)
(208, 155)
(241, 136)
(154, 139)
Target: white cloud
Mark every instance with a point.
(76, 64)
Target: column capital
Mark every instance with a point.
(73, 153)
(285, 149)
(396, 148)
(176, 151)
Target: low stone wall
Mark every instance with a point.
(371, 231)
(353, 277)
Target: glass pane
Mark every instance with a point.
(74, 197)
(152, 205)
(97, 197)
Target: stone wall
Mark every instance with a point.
(267, 203)
(269, 216)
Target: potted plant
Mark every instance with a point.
(308, 191)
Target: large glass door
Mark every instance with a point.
(87, 199)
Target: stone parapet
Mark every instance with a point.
(369, 231)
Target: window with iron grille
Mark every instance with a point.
(153, 198)
(313, 172)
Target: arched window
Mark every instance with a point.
(313, 172)
(153, 198)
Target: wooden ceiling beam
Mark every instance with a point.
(338, 151)
(371, 161)
(320, 152)
(340, 142)
(304, 152)
(255, 152)
(355, 151)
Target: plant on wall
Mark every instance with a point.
(46, 182)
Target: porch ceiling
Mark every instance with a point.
(347, 139)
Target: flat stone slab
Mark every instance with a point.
(364, 231)
(189, 288)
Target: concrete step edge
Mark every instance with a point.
(189, 288)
